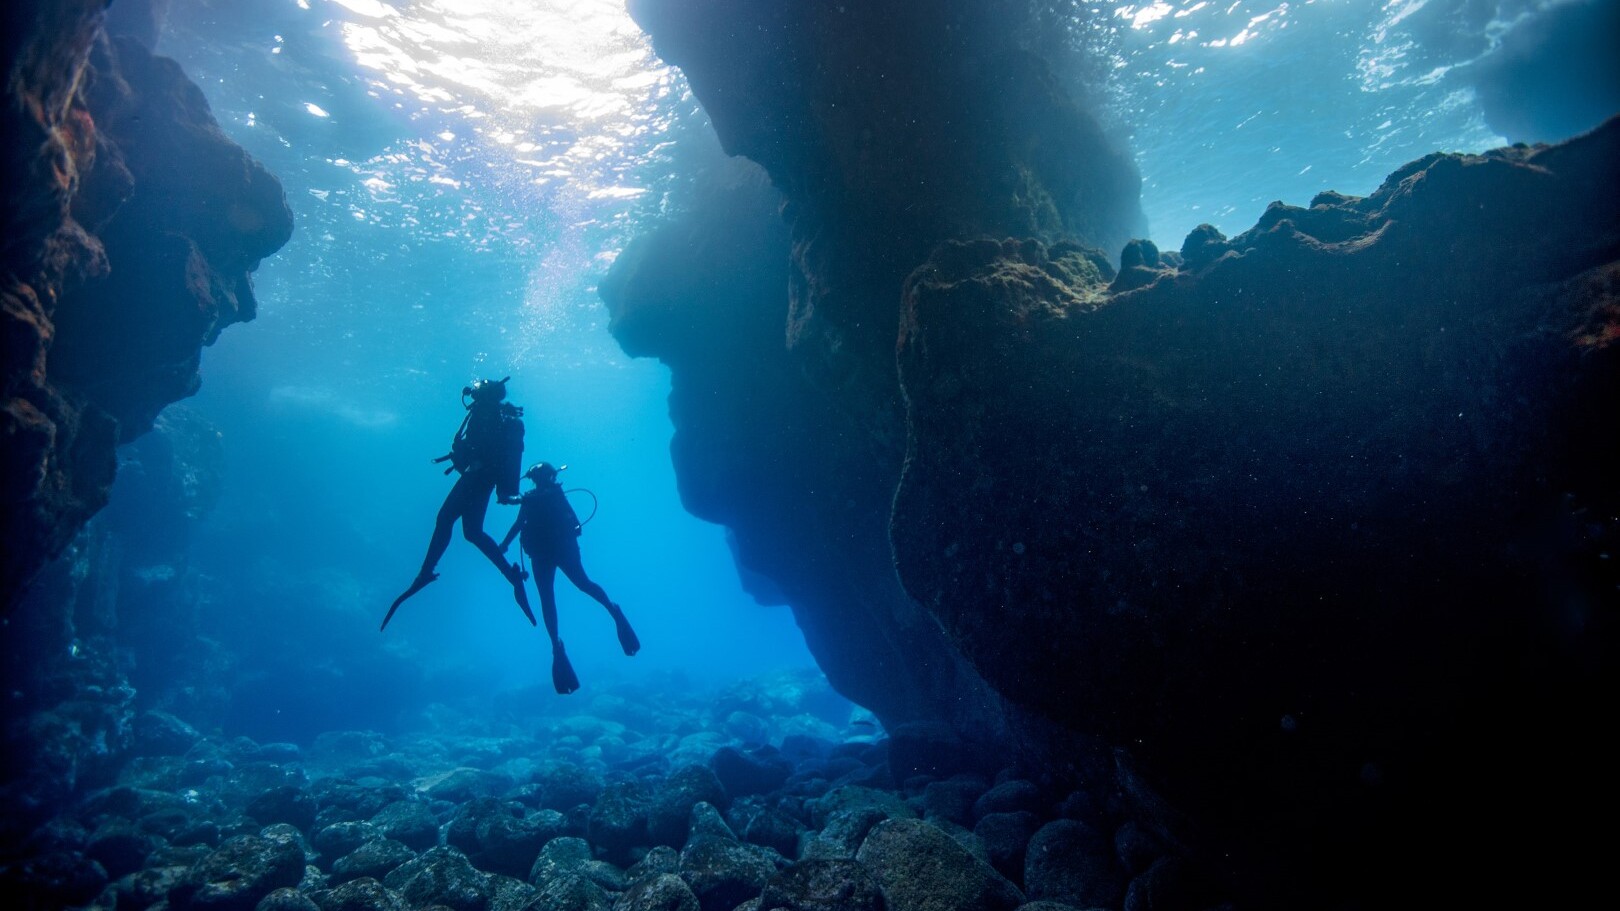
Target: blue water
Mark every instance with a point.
(413, 271)
(463, 171)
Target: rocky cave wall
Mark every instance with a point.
(132, 227)
(1298, 522)
(881, 125)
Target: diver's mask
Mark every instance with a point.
(484, 392)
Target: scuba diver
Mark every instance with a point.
(550, 530)
(487, 451)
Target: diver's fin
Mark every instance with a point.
(627, 636)
(422, 580)
(562, 671)
(521, 593)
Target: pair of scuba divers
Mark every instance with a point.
(487, 452)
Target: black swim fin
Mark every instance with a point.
(627, 636)
(422, 581)
(521, 593)
(562, 671)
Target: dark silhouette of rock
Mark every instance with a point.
(1005, 837)
(877, 163)
(933, 749)
(131, 226)
(1339, 468)
(953, 798)
(1309, 422)
(1013, 796)
(1169, 884)
(753, 772)
(55, 880)
(1136, 847)
(1071, 862)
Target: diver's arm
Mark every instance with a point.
(517, 525)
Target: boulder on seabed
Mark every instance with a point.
(724, 872)
(923, 869)
(1070, 861)
(823, 885)
(239, 873)
(664, 892)
(441, 876)
(755, 772)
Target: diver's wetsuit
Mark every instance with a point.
(468, 501)
(550, 530)
(487, 453)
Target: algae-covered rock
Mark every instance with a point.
(670, 811)
(920, 868)
(375, 859)
(724, 872)
(409, 822)
(569, 856)
(823, 885)
(663, 892)
(364, 894)
(442, 876)
(238, 874)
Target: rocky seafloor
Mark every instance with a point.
(773, 793)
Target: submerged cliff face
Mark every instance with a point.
(1298, 521)
(132, 224)
(885, 129)
(1305, 526)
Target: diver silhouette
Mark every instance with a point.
(486, 451)
(550, 532)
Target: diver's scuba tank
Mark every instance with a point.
(465, 450)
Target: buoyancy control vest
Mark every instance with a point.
(548, 520)
(490, 443)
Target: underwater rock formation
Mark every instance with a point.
(755, 450)
(1321, 508)
(616, 803)
(790, 429)
(132, 224)
(1294, 521)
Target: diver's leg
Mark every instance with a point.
(472, 528)
(563, 678)
(545, 579)
(451, 510)
(575, 571)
